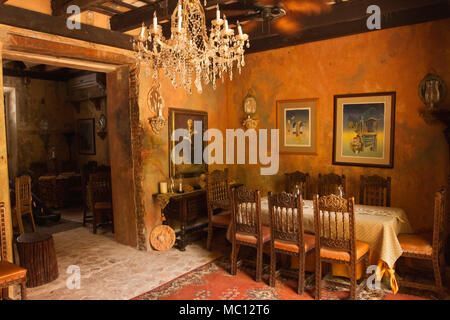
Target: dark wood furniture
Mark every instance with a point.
(10, 274)
(100, 195)
(329, 183)
(23, 202)
(37, 255)
(246, 227)
(186, 208)
(287, 234)
(375, 191)
(58, 191)
(334, 219)
(86, 170)
(428, 247)
(218, 202)
(298, 178)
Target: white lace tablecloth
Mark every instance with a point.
(378, 226)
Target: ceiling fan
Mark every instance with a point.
(276, 16)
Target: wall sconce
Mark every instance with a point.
(102, 124)
(432, 91)
(156, 104)
(249, 106)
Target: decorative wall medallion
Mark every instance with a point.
(250, 106)
(432, 91)
(156, 104)
(162, 238)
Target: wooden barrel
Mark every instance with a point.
(37, 255)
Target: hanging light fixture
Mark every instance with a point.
(189, 55)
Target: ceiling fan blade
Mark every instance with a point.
(287, 26)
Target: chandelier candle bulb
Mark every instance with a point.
(155, 22)
(239, 28)
(217, 13)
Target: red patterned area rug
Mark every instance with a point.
(214, 282)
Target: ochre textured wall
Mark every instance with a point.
(386, 60)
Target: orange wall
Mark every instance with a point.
(386, 60)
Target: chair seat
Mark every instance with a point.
(415, 244)
(222, 219)
(10, 272)
(361, 249)
(243, 237)
(309, 239)
(103, 205)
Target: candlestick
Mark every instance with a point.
(217, 13)
(180, 18)
(226, 23)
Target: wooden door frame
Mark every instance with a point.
(38, 47)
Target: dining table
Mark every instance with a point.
(376, 225)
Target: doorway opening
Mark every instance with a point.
(56, 123)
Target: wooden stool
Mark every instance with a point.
(37, 255)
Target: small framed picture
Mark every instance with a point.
(364, 129)
(86, 136)
(297, 122)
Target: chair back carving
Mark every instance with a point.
(286, 217)
(298, 178)
(329, 183)
(3, 253)
(334, 219)
(375, 191)
(217, 190)
(99, 187)
(23, 195)
(246, 211)
(439, 223)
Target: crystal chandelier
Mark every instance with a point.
(189, 52)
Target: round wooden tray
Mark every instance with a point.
(162, 238)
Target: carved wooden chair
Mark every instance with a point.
(24, 202)
(375, 191)
(428, 247)
(298, 178)
(287, 234)
(10, 274)
(218, 202)
(86, 170)
(99, 187)
(247, 228)
(334, 219)
(329, 183)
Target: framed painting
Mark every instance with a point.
(364, 129)
(185, 119)
(297, 122)
(86, 136)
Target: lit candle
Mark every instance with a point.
(217, 13)
(226, 23)
(180, 18)
(143, 34)
(155, 21)
(239, 29)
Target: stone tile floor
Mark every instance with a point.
(111, 271)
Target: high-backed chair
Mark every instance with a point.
(86, 170)
(218, 202)
(99, 187)
(10, 274)
(24, 202)
(334, 219)
(299, 179)
(375, 191)
(287, 234)
(329, 183)
(428, 247)
(247, 228)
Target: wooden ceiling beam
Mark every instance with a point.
(31, 20)
(164, 8)
(59, 7)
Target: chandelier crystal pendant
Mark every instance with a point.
(189, 54)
